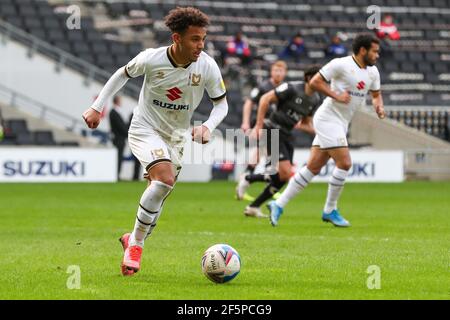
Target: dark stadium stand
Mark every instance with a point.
(16, 132)
(433, 122)
(415, 71)
(40, 19)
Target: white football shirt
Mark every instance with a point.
(346, 74)
(171, 93)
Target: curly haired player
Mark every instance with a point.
(175, 78)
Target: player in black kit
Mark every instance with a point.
(296, 103)
(278, 71)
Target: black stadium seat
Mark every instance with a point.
(56, 35)
(63, 45)
(51, 23)
(25, 138)
(44, 138)
(8, 10)
(17, 126)
(69, 144)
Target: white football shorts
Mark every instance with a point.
(330, 134)
(150, 148)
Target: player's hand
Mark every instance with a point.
(200, 134)
(92, 118)
(344, 97)
(256, 133)
(245, 126)
(380, 111)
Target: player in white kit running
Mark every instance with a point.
(175, 78)
(352, 78)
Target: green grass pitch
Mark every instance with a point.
(404, 229)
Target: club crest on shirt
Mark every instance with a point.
(195, 79)
(158, 153)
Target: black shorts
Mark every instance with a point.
(286, 148)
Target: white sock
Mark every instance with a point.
(153, 225)
(149, 211)
(296, 184)
(335, 186)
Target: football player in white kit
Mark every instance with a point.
(175, 78)
(352, 78)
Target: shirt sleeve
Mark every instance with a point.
(316, 104)
(284, 91)
(214, 83)
(376, 83)
(255, 94)
(138, 65)
(331, 70)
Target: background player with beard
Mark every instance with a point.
(351, 79)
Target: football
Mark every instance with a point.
(221, 263)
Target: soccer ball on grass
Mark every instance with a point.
(221, 263)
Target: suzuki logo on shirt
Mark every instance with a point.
(361, 85)
(174, 94)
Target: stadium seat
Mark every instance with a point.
(408, 66)
(7, 10)
(38, 33)
(27, 11)
(433, 99)
(17, 126)
(63, 45)
(425, 67)
(415, 57)
(117, 48)
(99, 48)
(82, 48)
(400, 55)
(44, 138)
(75, 36)
(50, 23)
(69, 144)
(25, 138)
(406, 3)
(44, 9)
(56, 35)
(14, 20)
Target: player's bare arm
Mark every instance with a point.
(246, 111)
(377, 102)
(306, 125)
(319, 84)
(264, 103)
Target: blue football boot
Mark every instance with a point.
(275, 212)
(335, 218)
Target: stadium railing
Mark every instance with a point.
(65, 59)
(39, 110)
(62, 58)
